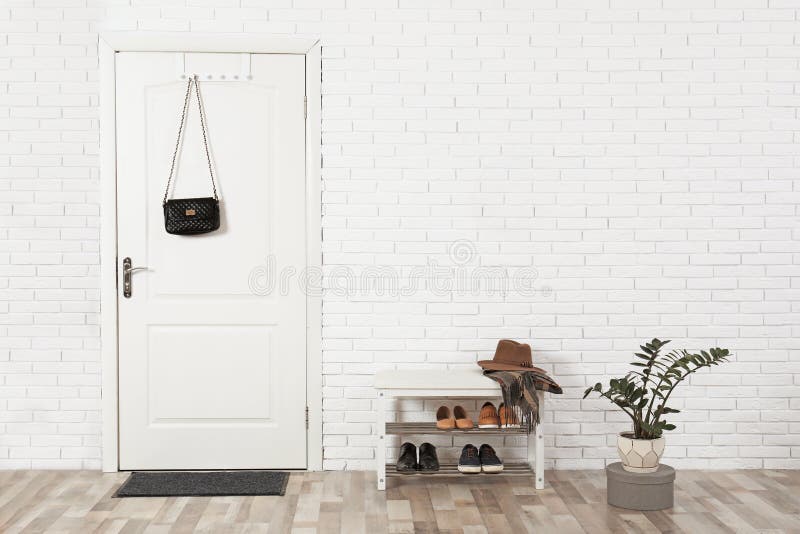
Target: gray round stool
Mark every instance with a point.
(640, 491)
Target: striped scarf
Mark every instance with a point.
(519, 392)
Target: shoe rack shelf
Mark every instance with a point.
(509, 469)
(447, 384)
(404, 429)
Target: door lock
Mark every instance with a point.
(127, 269)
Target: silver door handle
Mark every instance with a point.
(127, 269)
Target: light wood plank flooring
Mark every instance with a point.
(573, 501)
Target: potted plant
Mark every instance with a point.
(643, 395)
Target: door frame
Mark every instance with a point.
(108, 45)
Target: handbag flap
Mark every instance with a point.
(187, 209)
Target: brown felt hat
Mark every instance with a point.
(510, 355)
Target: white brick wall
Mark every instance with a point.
(640, 154)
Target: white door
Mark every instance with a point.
(212, 370)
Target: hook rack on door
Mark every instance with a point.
(243, 74)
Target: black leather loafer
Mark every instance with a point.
(428, 461)
(407, 462)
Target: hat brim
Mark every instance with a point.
(492, 365)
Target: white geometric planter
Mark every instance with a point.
(639, 455)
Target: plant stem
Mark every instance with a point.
(649, 415)
(666, 398)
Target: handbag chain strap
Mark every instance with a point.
(192, 81)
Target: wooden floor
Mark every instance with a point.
(573, 501)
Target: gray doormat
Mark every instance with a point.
(203, 483)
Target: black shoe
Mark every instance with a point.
(490, 463)
(469, 462)
(407, 461)
(427, 458)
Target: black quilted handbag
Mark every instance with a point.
(187, 216)
(190, 216)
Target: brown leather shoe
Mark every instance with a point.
(444, 421)
(488, 417)
(508, 417)
(462, 421)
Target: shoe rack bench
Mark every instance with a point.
(444, 384)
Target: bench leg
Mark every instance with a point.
(380, 446)
(536, 447)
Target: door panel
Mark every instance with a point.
(183, 358)
(212, 373)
